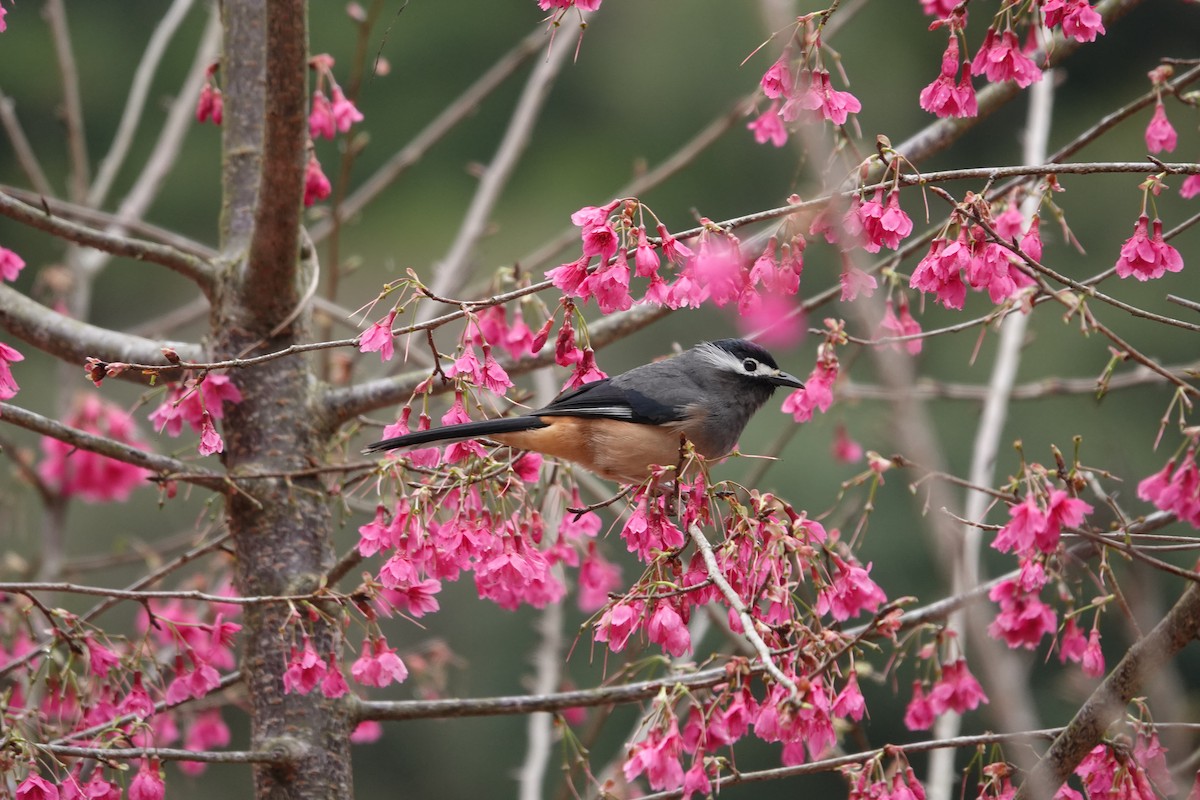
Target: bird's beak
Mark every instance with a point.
(784, 379)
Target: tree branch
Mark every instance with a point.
(195, 269)
(1107, 703)
(166, 467)
(73, 341)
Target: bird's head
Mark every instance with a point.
(747, 361)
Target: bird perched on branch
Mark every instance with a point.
(620, 427)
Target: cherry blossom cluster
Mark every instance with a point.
(1008, 52)
(964, 254)
(11, 265)
(1176, 487)
(328, 115)
(800, 89)
(101, 692)
(197, 401)
(770, 555)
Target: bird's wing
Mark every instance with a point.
(605, 400)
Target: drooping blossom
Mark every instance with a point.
(1077, 17)
(190, 400)
(814, 92)
(777, 80)
(210, 439)
(844, 448)
(940, 271)
(618, 623)
(657, 756)
(1175, 490)
(667, 628)
(378, 338)
(1146, 256)
(8, 384)
(148, 783)
(11, 264)
(884, 223)
(945, 97)
(1160, 134)
(316, 185)
(817, 393)
(305, 669)
(378, 665)
(1190, 187)
(850, 591)
(1023, 619)
(956, 690)
(597, 577)
(769, 127)
(75, 472)
(1000, 59)
(901, 324)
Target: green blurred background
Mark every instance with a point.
(647, 77)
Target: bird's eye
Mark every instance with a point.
(750, 365)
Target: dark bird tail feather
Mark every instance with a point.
(453, 433)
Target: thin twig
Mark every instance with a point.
(135, 104)
(21, 147)
(735, 602)
(56, 16)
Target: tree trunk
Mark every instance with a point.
(281, 527)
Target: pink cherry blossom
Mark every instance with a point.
(944, 97)
(817, 393)
(667, 628)
(1077, 17)
(148, 783)
(675, 250)
(618, 623)
(75, 472)
(919, 714)
(316, 185)
(378, 338)
(956, 690)
(1146, 256)
(769, 127)
(1023, 619)
(8, 385)
(658, 757)
(940, 271)
(856, 282)
(11, 264)
(597, 577)
(938, 8)
(815, 93)
(343, 110)
(844, 448)
(1160, 134)
(1175, 490)
(210, 440)
(1093, 656)
(648, 533)
(645, 259)
(35, 787)
(305, 670)
(609, 285)
(850, 591)
(1190, 187)
(884, 223)
(1000, 59)
(320, 117)
(189, 401)
(777, 81)
(210, 104)
(902, 324)
(571, 278)
(378, 665)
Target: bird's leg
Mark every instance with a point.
(579, 512)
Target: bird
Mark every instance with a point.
(620, 427)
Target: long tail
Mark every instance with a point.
(453, 433)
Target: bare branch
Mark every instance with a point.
(197, 270)
(135, 104)
(449, 275)
(462, 107)
(56, 16)
(279, 757)
(21, 147)
(74, 341)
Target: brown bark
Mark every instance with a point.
(280, 528)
